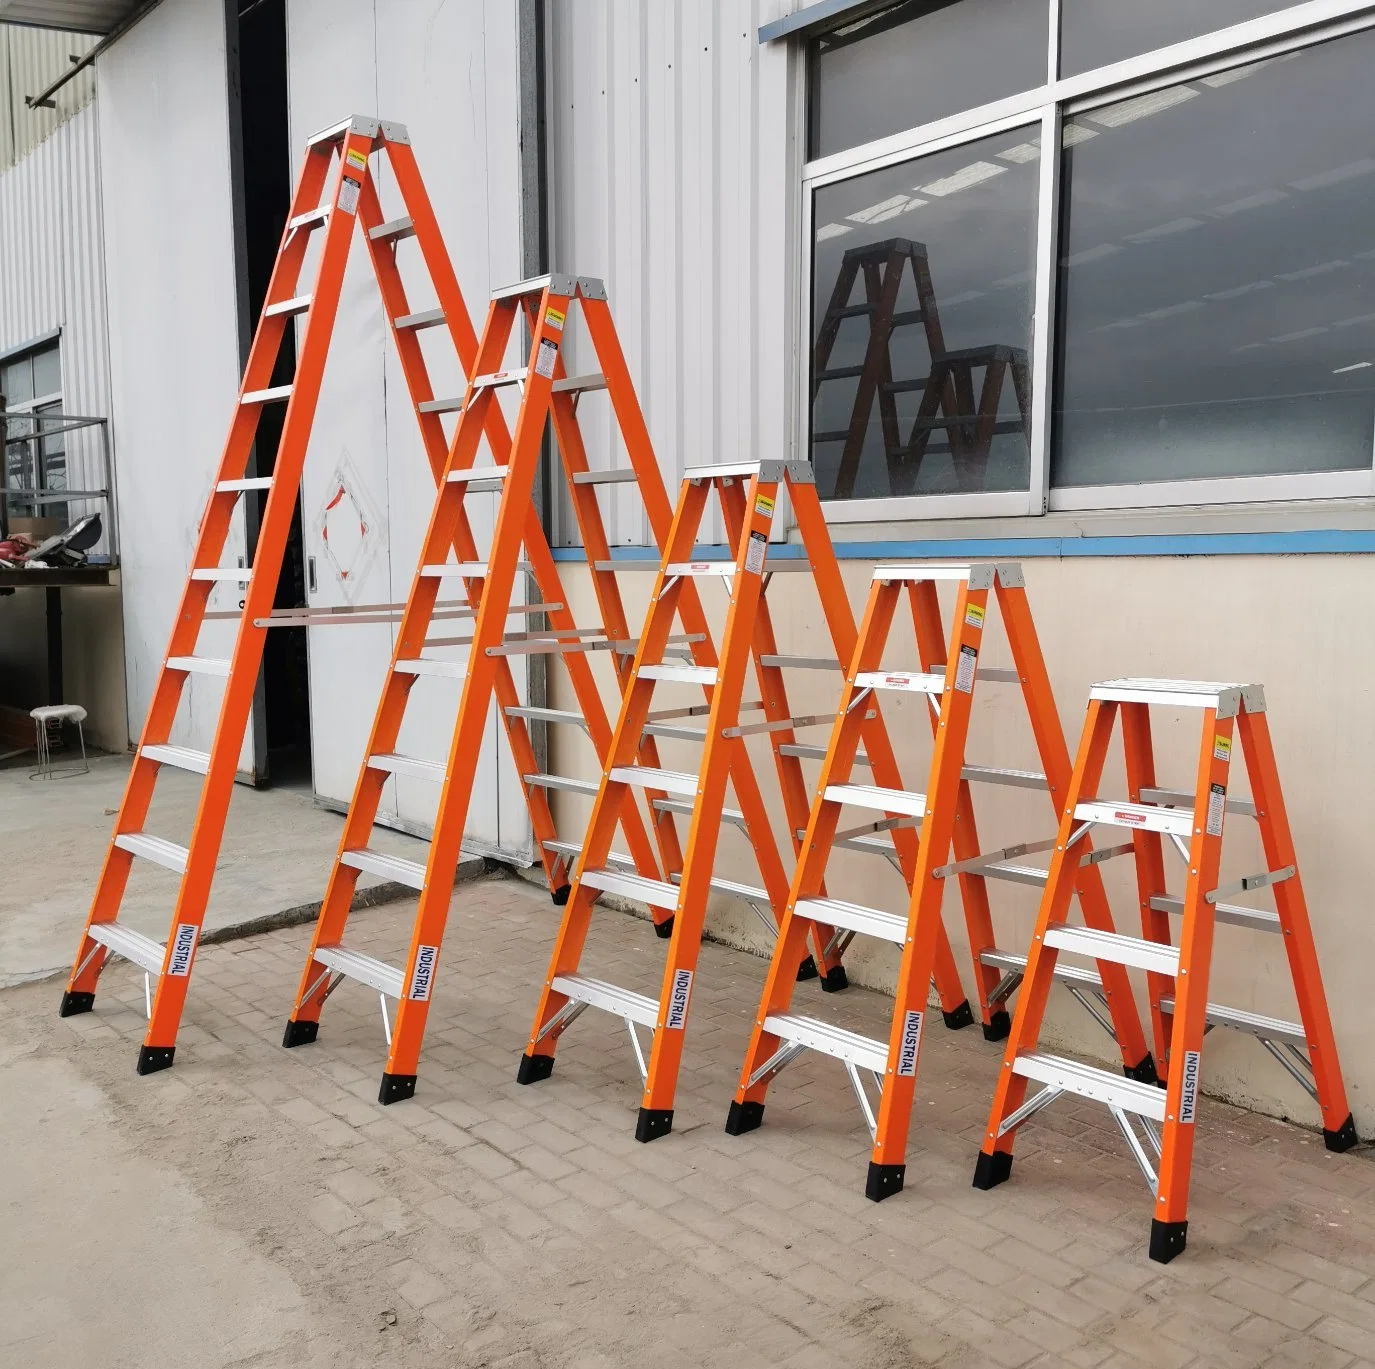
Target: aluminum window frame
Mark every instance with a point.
(1292, 29)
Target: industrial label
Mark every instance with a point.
(754, 556)
(911, 1043)
(763, 505)
(1127, 816)
(356, 158)
(1188, 1094)
(422, 977)
(349, 190)
(183, 948)
(974, 615)
(964, 669)
(897, 681)
(678, 997)
(1222, 748)
(544, 360)
(1217, 805)
(553, 318)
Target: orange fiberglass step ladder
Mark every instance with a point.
(331, 960)
(748, 494)
(1177, 975)
(949, 674)
(334, 192)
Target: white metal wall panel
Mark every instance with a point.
(164, 137)
(447, 70)
(673, 170)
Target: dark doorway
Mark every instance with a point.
(265, 173)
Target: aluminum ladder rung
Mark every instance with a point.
(419, 666)
(722, 470)
(685, 674)
(901, 681)
(570, 850)
(1181, 798)
(479, 477)
(1011, 962)
(393, 230)
(687, 570)
(397, 764)
(258, 482)
(776, 662)
(547, 715)
(836, 1042)
(1018, 779)
(677, 731)
(651, 891)
(854, 917)
(730, 886)
(200, 665)
(376, 974)
(731, 815)
(373, 862)
(182, 757)
(1097, 1085)
(243, 574)
(1015, 874)
(563, 782)
(495, 380)
(978, 574)
(288, 308)
(1258, 919)
(1254, 1024)
(1137, 817)
(467, 570)
(882, 800)
(665, 781)
(1114, 947)
(169, 854)
(577, 385)
(270, 396)
(533, 286)
(428, 318)
(312, 219)
(597, 993)
(623, 476)
(133, 946)
(452, 405)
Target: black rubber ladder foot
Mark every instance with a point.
(663, 930)
(992, 1170)
(835, 979)
(960, 1017)
(533, 1068)
(396, 1088)
(883, 1181)
(1343, 1138)
(73, 1003)
(299, 1033)
(561, 894)
(1167, 1240)
(1144, 1072)
(744, 1117)
(998, 1026)
(653, 1123)
(151, 1059)
(807, 970)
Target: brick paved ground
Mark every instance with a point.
(524, 1226)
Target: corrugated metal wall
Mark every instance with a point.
(672, 163)
(29, 60)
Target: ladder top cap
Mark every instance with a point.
(796, 472)
(980, 575)
(1227, 699)
(536, 285)
(359, 123)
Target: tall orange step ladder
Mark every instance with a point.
(748, 494)
(948, 675)
(335, 191)
(1177, 974)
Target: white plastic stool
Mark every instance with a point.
(47, 723)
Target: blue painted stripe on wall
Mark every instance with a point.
(1317, 542)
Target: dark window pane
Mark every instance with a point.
(1217, 310)
(1094, 33)
(47, 372)
(921, 319)
(16, 381)
(921, 61)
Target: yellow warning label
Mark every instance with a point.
(1222, 748)
(974, 615)
(357, 159)
(763, 504)
(554, 318)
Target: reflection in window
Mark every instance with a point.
(922, 60)
(921, 322)
(35, 454)
(1217, 308)
(1094, 33)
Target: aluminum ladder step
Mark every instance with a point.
(1225, 697)
(882, 800)
(397, 868)
(731, 815)
(468, 570)
(200, 665)
(1114, 947)
(452, 404)
(270, 396)
(1012, 963)
(901, 681)
(312, 218)
(495, 380)
(1238, 914)
(1137, 817)
(1015, 874)
(393, 230)
(159, 850)
(288, 308)
(564, 782)
(690, 569)
(730, 886)
(979, 575)
(428, 318)
(651, 891)
(623, 476)
(257, 482)
(1255, 1024)
(136, 948)
(479, 477)
(815, 1035)
(665, 781)
(376, 974)
(240, 574)
(686, 674)
(183, 757)
(577, 385)
(419, 666)
(546, 715)
(777, 662)
(596, 993)
(397, 764)
(570, 850)
(1099, 1086)
(854, 917)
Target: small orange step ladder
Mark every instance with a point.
(1177, 975)
(948, 675)
(748, 493)
(335, 192)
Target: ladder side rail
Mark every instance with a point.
(833, 318)
(995, 1155)
(747, 1110)
(878, 746)
(666, 596)
(887, 404)
(1339, 1129)
(489, 627)
(887, 1166)
(1051, 746)
(1182, 1094)
(208, 828)
(1149, 859)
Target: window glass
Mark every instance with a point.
(919, 61)
(16, 381)
(921, 323)
(47, 372)
(1094, 33)
(1217, 307)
